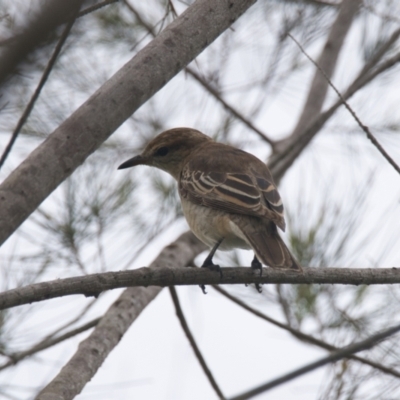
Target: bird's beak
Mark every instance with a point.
(132, 162)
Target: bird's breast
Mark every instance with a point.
(210, 226)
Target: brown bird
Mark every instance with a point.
(228, 196)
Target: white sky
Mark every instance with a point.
(154, 359)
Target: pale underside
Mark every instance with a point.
(210, 226)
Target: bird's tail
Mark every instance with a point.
(268, 246)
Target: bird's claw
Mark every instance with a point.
(203, 288)
(212, 267)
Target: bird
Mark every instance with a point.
(228, 196)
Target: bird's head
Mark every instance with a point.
(169, 150)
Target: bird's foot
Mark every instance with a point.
(255, 264)
(212, 267)
(203, 288)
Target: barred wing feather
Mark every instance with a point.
(236, 193)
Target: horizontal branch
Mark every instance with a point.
(93, 285)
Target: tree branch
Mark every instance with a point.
(93, 351)
(96, 7)
(93, 285)
(88, 127)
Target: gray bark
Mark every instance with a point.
(93, 285)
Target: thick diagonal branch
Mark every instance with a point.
(89, 126)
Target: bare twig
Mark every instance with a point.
(43, 79)
(311, 120)
(333, 357)
(39, 24)
(193, 343)
(365, 128)
(281, 161)
(386, 65)
(228, 107)
(303, 336)
(93, 285)
(380, 52)
(46, 343)
(327, 60)
(96, 7)
(385, 16)
(325, 3)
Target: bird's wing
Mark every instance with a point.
(233, 192)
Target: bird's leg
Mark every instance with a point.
(255, 264)
(210, 265)
(208, 261)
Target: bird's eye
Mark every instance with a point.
(162, 151)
